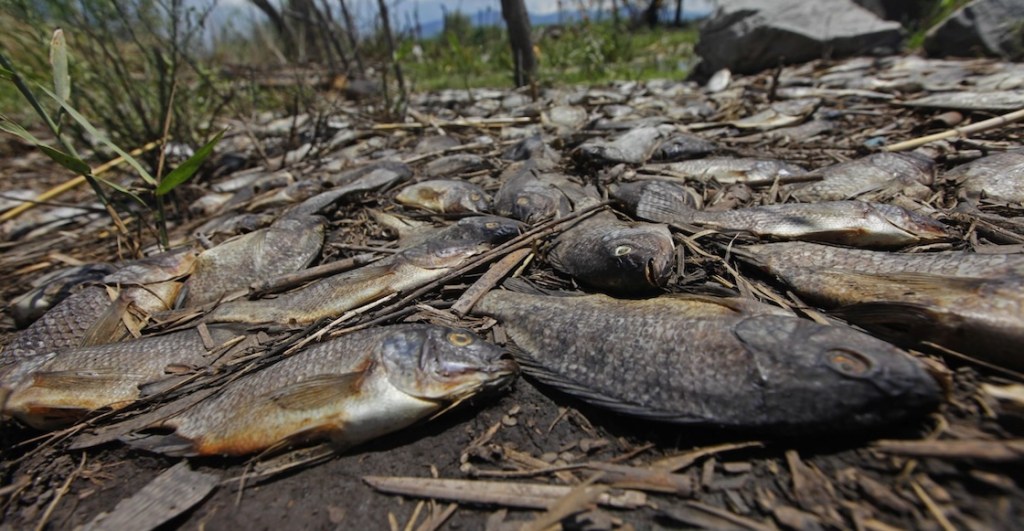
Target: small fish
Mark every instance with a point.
(712, 361)
(681, 146)
(780, 114)
(399, 273)
(95, 315)
(908, 173)
(293, 193)
(445, 196)
(349, 390)
(633, 147)
(454, 165)
(360, 180)
(724, 170)
(286, 246)
(59, 387)
(532, 147)
(533, 197)
(52, 288)
(968, 302)
(852, 223)
(998, 177)
(609, 254)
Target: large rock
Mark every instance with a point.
(748, 36)
(982, 27)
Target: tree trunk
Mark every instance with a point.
(651, 13)
(518, 23)
(283, 32)
(679, 13)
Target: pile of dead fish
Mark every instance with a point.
(672, 278)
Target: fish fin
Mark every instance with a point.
(170, 444)
(108, 327)
(532, 368)
(920, 283)
(77, 379)
(318, 391)
(521, 285)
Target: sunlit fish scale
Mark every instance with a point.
(998, 177)
(730, 170)
(907, 173)
(854, 223)
(445, 196)
(94, 315)
(968, 302)
(332, 296)
(722, 362)
(288, 245)
(608, 254)
(350, 390)
(59, 387)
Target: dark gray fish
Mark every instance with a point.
(908, 173)
(633, 147)
(721, 362)
(998, 177)
(52, 288)
(530, 148)
(531, 196)
(350, 389)
(286, 246)
(445, 196)
(730, 170)
(971, 303)
(609, 254)
(853, 223)
(682, 146)
(361, 180)
(451, 165)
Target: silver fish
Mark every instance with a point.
(998, 177)
(445, 196)
(730, 170)
(907, 173)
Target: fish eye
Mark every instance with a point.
(474, 196)
(491, 224)
(623, 250)
(459, 339)
(523, 201)
(848, 363)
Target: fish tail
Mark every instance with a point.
(170, 444)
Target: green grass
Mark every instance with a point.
(589, 52)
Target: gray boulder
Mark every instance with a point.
(748, 36)
(982, 27)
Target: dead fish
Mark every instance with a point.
(683, 146)
(350, 390)
(998, 177)
(361, 180)
(332, 296)
(96, 314)
(609, 254)
(532, 147)
(712, 361)
(852, 223)
(998, 100)
(633, 147)
(908, 173)
(52, 288)
(286, 246)
(455, 165)
(59, 387)
(445, 196)
(968, 302)
(289, 195)
(531, 196)
(779, 114)
(724, 170)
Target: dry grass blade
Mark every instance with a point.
(436, 521)
(933, 507)
(521, 495)
(577, 500)
(707, 517)
(175, 491)
(60, 494)
(488, 280)
(681, 461)
(285, 282)
(993, 451)
(985, 125)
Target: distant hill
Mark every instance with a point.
(492, 17)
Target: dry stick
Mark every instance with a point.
(991, 123)
(68, 185)
(435, 522)
(482, 122)
(933, 507)
(284, 282)
(60, 494)
(488, 280)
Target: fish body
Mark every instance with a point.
(609, 254)
(731, 170)
(454, 165)
(780, 114)
(853, 223)
(57, 388)
(683, 146)
(997, 177)
(52, 288)
(907, 173)
(633, 147)
(286, 246)
(968, 302)
(711, 361)
(445, 196)
(533, 197)
(350, 389)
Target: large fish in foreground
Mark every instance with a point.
(702, 360)
(854, 223)
(971, 303)
(349, 390)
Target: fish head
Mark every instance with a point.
(832, 376)
(921, 227)
(641, 254)
(443, 254)
(490, 229)
(440, 363)
(535, 205)
(474, 200)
